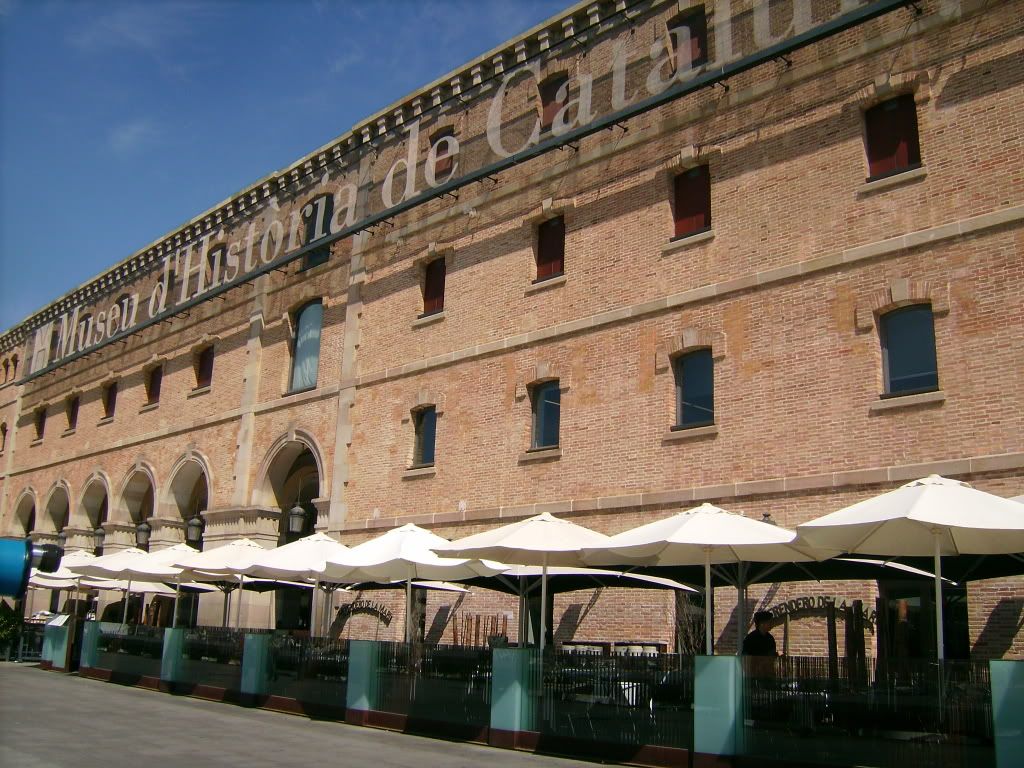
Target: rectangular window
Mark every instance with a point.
(546, 401)
(109, 400)
(551, 249)
(433, 287)
(40, 423)
(154, 378)
(203, 366)
(3, 437)
(689, 27)
(909, 361)
(444, 162)
(550, 104)
(426, 431)
(306, 347)
(890, 131)
(72, 411)
(317, 215)
(692, 201)
(695, 389)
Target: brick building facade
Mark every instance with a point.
(822, 219)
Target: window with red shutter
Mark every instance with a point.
(433, 287)
(695, 21)
(549, 99)
(444, 162)
(550, 249)
(692, 204)
(890, 131)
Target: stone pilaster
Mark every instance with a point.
(250, 391)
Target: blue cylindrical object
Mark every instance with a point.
(15, 565)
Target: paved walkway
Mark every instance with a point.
(51, 720)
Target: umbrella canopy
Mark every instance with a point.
(126, 585)
(405, 553)
(934, 515)
(539, 540)
(543, 540)
(705, 534)
(303, 559)
(63, 577)
(910, 520)
(566, 579)
(230, 559)
(132, 564)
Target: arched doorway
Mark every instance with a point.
(24, 522)
(94, 509)
(58, 514)
(292, 483)
(189, 494)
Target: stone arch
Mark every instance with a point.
(23, 522)
(190, 486)
(58, 508)
(136, 498)
(297, 449)
(94, 503)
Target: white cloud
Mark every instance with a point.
(130, 137)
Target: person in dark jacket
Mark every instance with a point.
(760, 642)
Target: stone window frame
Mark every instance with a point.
(39, 414)
(884, 88)
(549, 208)
(433, 252)
(689, 339)
(424, 398)
(545, 128)
(205, 342)
(110, 381)
(898, 293)
(290, 319)
(151, 365)
(71, 397)
(3, 437)
(689, 156)
(682, 11)
(305, 264)
(443, 126)
(542, 373)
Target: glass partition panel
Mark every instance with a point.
(131, 650)
(309, 670)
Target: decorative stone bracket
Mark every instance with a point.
(424, 397)
(543, 372)
(887, 86)
(549, 208)
(688, 157)
(900, 293)
(690, 338)
(435, 251)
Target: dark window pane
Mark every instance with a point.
(908, 350)
(892, 139)
(433, 287)
(692, 201)
(551, 248)
(695, 389)
(546, 414)
(204, 367)
(444, 161)
(426, 431)
(110, 400)
(318, 255)
(40, 423)
(153, 381)
(73, 404)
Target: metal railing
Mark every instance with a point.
(213, 657)
(30, 642)
(913, 712)
(438, 683)
(309, 670)
(628, 699)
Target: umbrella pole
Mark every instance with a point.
(177, 594)
(522, 613)
(408, 606)
(238, 610)
(939, 644)
(124, 613)
(314, 628)
(741, 605)
(543, 602)
(707, 602)
(227, 606)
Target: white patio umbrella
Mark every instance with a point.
(931, 516)
(228, 560)
(305, 558)
(543, 540)
(130, 564)
(405, 553)
(705, 534)
(167, 557)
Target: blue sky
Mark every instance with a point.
(121, 120)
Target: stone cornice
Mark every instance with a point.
(460, 86)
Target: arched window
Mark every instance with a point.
(39, 419)
(695, 389)
(306, 347)
(546, 399)
(317, 214)
(908, 350)
(7, 367)
(3, 437)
